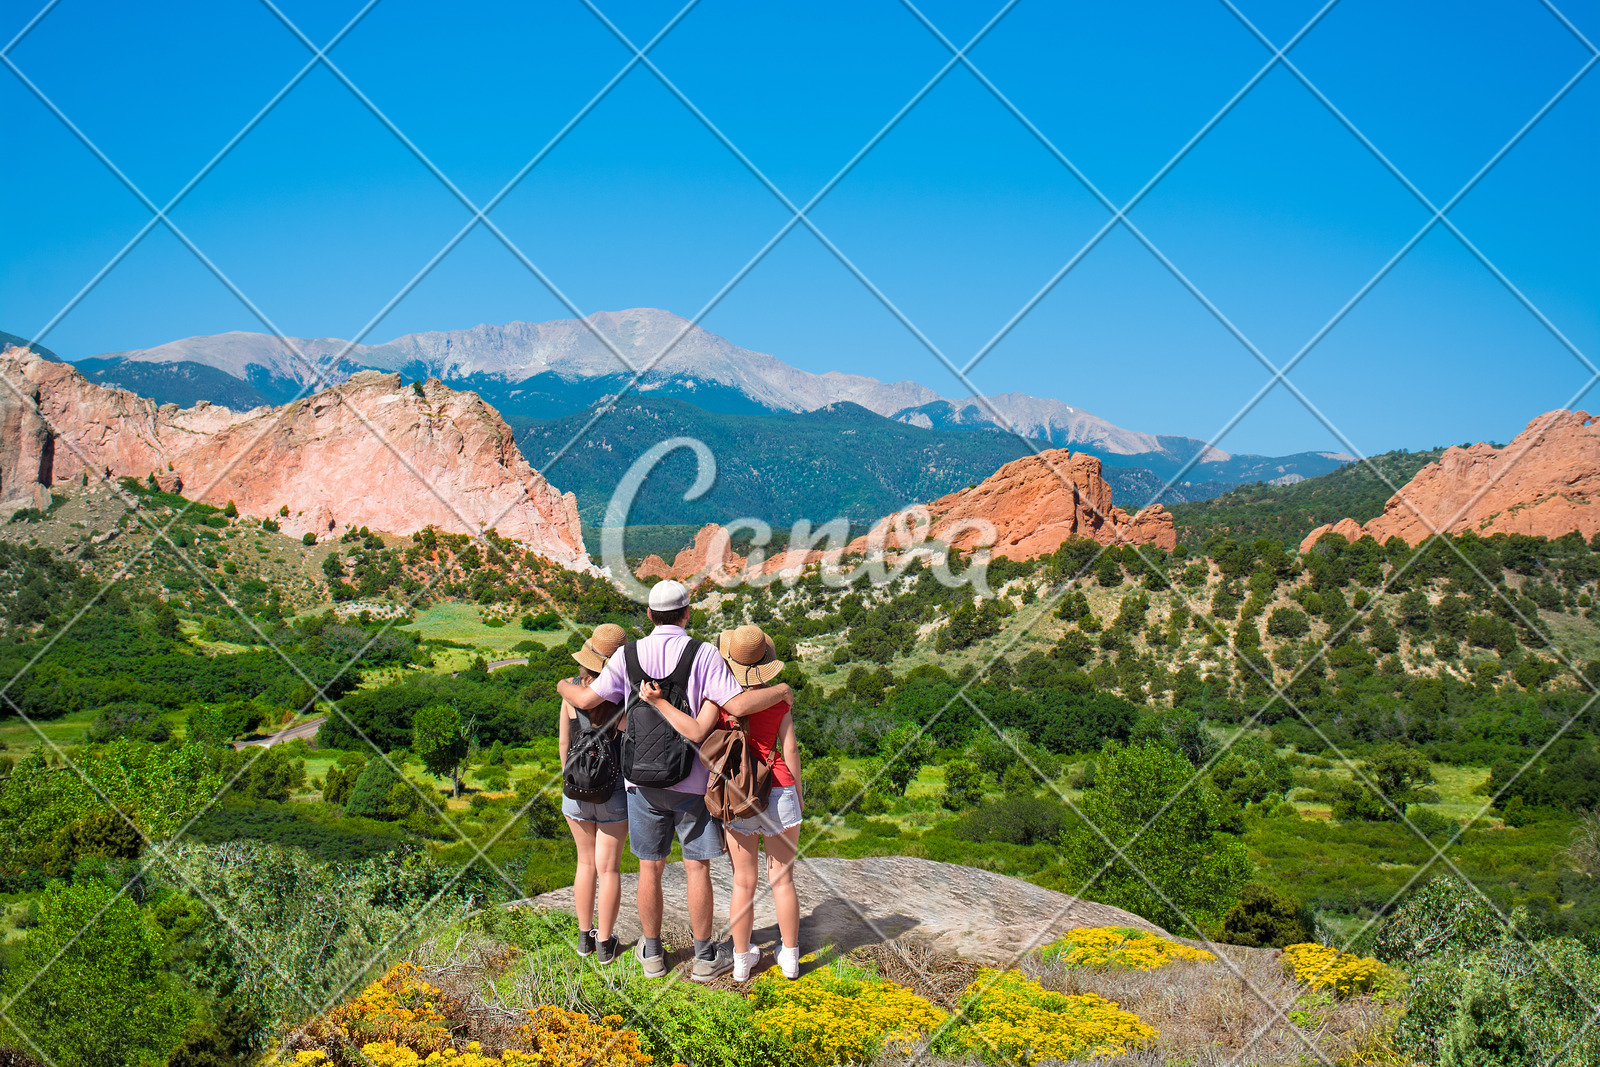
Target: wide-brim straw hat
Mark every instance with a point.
(606, 639)
(750, 655)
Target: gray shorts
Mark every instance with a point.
(783, 812)
(653, 816)
(613, 810)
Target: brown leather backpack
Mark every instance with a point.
(738, 781)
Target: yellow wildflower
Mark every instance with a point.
(1011, 1019)
(1321, 967)
(1120, 946)
(838, 1014)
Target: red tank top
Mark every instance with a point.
(764, 738)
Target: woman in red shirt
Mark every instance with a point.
(751, 657)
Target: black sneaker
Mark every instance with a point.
(608, 950)
(586, 942)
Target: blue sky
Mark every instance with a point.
(959, 215)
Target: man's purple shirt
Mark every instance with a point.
(709, 679)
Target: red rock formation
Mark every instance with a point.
(1034, 503)
(364, 453)
(709, 557)
(1546, 483)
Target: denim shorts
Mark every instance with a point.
(783, 812)
(613, 810)
(653, 816)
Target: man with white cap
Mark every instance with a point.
(655, 812)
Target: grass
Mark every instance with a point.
(19, 737)
(462, 622)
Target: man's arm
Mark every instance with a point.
(579, 696)
(753, 700)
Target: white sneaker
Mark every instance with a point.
(744, 963)
(789, 961)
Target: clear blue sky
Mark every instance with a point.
(959, 215)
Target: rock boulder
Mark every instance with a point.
(1545, 483)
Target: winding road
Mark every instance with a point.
(307, 730)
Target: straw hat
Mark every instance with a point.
(750, 655)
(606, 639)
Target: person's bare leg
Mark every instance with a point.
(608, 841)
(744, 850)
(780, 876)
(584, 876)
(649, 896)
(702, 899)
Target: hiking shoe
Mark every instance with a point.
(608, 951)
(744, 963)
(789, 962)
(654, 966)
(586, 942)
(716, 966)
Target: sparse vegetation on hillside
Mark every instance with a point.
(1286, 513)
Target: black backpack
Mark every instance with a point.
(653, 753)
(594, 767)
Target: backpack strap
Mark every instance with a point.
(630, 655)
(680, 673)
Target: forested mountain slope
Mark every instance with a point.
(1286, 513)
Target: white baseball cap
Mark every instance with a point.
(668, 595)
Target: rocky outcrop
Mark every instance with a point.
(709, 557)
(1545, 483)
(852, 903)
(1028, 507)
(364, 453)
(24, 449)
(1034, 504)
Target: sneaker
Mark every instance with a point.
(608, 951)
(744, 963)
(586, 942)
(654, 966)
(716, 966)
(789, 962)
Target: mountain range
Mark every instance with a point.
(550, 369)
(791, 443)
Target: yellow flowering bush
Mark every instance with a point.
(1120, 946)
(1011, 1019)
(1321, 967)
(841, 1014)
(403, 1021)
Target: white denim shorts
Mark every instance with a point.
(783, 812)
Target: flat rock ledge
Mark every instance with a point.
(982, 917)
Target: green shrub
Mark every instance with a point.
(89, 986)
(1264, 918)
(963, 784)
(1443, 914)
(1015, 820)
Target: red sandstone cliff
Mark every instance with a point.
(1546, 483)
(364, 453)
(1035, 503)
(709, 557)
